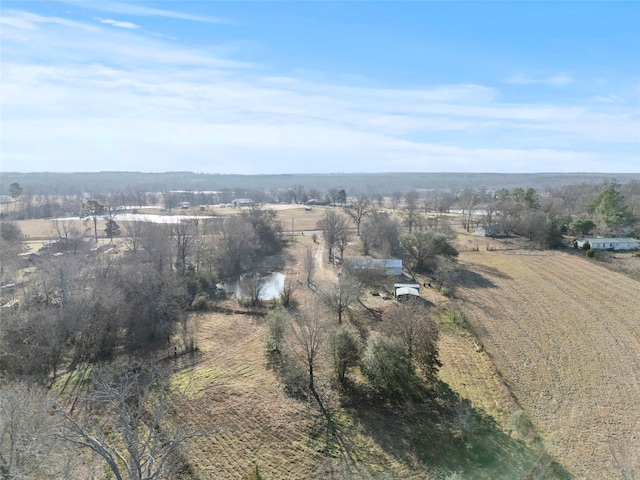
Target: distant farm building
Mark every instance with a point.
(242, 202)
(316, 201)
(608, 243)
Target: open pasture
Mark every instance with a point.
(565, 333)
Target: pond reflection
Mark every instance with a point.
(271, 285)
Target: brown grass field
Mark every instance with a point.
(565, 334)
(231, 389)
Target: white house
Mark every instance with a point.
(491, 231)
(608, 243)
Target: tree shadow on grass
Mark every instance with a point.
(470, 279)
(442, 433)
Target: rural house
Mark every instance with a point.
(491, 231)
(608, 243)
(390, 266)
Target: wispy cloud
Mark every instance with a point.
(30, 21)
(121, 98)
(608, 99)
(125, 8)
(555, 80)
(118, 23)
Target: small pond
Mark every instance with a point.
(272, 285)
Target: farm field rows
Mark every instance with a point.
(565, 334)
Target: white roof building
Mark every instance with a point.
(608, 243)
(390, 266)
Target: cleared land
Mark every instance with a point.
(565, 334)
(468, 429)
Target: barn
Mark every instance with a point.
(608, 243)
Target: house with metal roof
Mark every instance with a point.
(386, 266)
(608, 243)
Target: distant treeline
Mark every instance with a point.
(43, 183)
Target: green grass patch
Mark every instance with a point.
(452, 319)
(195, 381)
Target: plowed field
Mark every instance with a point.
(565, 334)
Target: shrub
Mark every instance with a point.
(346, 347)
(387, 366)
(200, 302)
(591, 253)
(276, 332)
(586, 246)
(294, 376)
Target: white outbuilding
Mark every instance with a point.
(608, 243)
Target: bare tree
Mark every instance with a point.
(156, 242)
(183, 233)
(340, 297)
(235, 247)
(128, 421)
(286, 293)
(395, 199)
(308, 334)
(93, 209)
(468, 200)
(27, 444)
(379, 200)
(299, 194)
(66, 229)
(411, 213)
(252, 288)
(359, 209)
(170, 200)
(334, 226)
(134, 231)
(344, 237)
(333, 195)
(380, 232)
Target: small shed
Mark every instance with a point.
(608, 243)
(400, 289)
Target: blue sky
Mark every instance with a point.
(301, 87)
